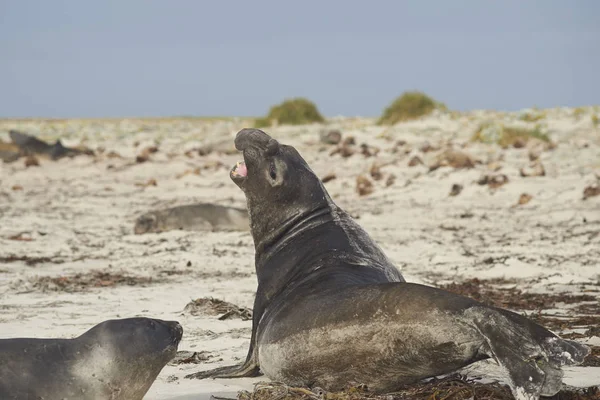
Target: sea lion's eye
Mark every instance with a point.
(272, 171)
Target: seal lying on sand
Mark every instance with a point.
(31, 145)
(193, 217)
(331, 309)
(114, 360)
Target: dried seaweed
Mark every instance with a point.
(512, 298)
(212, 306)
(83, 281)
(454, 387)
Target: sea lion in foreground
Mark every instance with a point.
(115, 360)
(193, 217)
(331, 309)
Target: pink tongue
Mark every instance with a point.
(241, 169)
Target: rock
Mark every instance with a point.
(375, 172)
(524, 199)
(350, 141)
(145, 154)
(534, 169)
(493, 181)
(333, 136)
(426, 147)
(534, 154)
(591, 191)
(390, 180)
(32, 161)
(329, 177)
(364, 186)
(368, 151)
(113, 154)
(454, 158)
(414, 161)
(456, 189)
(150, 182)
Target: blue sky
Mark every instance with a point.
(192, 57)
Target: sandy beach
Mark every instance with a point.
(69, 258)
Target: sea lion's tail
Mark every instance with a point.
(531, 355)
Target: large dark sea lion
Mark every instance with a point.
(114, 360)
(193, 217)
(331, 309)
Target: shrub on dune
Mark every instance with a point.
(410, 105)
(295, 111)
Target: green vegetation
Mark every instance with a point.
(410, 105)
(296, 111)
(595, 120)
(532, 115)
(507, 136)
(578, 112)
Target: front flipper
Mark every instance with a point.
(248, 369)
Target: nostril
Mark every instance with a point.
(272, 147)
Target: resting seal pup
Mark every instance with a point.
(331, 309)
(115, 360)
(193, 217)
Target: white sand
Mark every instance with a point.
(80, 213)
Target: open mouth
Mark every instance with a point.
(239, 170)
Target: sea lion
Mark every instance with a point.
(31, 145)
(193, 217)
(115, 360)
(331, 309)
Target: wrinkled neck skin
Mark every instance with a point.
(293, 243)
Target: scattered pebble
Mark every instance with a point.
(456, 189)
(390, 180)
(524, 199)
(591, 191)
(364, 186)
(493, 181)
(453, 158)
(329, 177)
(375, 172)
(333, 136)
(534, 169)
(414, 161)
(32, 161)
(150, 182)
